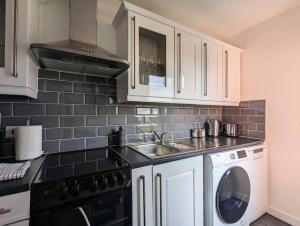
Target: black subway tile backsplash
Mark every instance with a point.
(48, 74)
(13, 121)
(59, 133)
(6, 109)
(95, 142)
(96, 120)
(79, 111)
(85, 132)
(84, 88)
(71, 121)
(71, 98)
(28, 109)
(59, 109)
(51, 146)
(84, 110)
(45, 121)
(73, 144)
(47, 97)
(71, 77)
(107, 110)
(250, 117)
(95, 99)
(61, 86)
(116, 120)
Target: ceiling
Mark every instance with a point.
(220, 18)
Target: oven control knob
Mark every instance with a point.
(121, 176)
(75, 189)
(112, 180)
(102, 183)
(63, 191)
(93, 185)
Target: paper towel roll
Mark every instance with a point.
(28, 142)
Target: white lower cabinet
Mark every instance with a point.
(142, 208)
(15, 209)
(176, 189)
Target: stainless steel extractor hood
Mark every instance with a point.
(78, 53)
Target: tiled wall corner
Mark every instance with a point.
(250, 117)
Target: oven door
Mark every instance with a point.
(107, 209)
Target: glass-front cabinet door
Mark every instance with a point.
(152, 58)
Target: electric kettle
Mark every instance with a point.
(214, 128)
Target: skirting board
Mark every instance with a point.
(284, 216)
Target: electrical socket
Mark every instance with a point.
(10, 131)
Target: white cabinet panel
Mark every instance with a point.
(187, 66)
(18, 74)
(180, 68)
(231, 78)
(178, 193)
(142, 208)
(212, 71)
(16, 207)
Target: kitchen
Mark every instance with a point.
(139, 113)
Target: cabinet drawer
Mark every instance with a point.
(14, 208)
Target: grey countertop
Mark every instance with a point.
(220, 144)
(21, 185)
(136, 159)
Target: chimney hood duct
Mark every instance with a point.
(79, 54)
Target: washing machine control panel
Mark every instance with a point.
(241, 154)
(232, 156)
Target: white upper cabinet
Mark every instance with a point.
(212, 71)
(150, 50)
(187, 66)
(231, 75)
(152, 57)
(178, 193)
(18, 28)
(171, 63)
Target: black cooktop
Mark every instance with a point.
(79, 163)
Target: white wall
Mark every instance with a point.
(271, 70)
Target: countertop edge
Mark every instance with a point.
(11, 187)
(137, 160)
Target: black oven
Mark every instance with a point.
(108, 209)
(82, 188)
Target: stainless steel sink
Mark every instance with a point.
(161, 150)
(155, 150)
(180, 146)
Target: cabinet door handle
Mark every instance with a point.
(226, 74)
(134, 53)
(4, 211)
(15, 41)
(179, 64)
(159, 201)
(205, 69)
(142, 178)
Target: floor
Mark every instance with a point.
(268, 220)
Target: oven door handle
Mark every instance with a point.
(84, 216)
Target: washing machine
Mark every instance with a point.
(259, 182)
(227, 188)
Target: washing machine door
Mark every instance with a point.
(233, 195)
